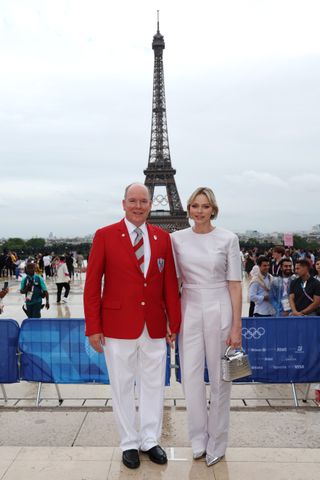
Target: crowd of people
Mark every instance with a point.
(35, 271)
(13, 265)
(283, 282)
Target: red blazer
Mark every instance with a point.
(129, 300)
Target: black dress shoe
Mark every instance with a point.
(131, 458)
(157, 455)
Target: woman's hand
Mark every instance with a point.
(234, 339)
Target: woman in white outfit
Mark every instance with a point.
(209, 266)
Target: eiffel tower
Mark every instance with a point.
(167, 211)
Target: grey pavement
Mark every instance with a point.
(94, 427)
(77, 439)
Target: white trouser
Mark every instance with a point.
(206, 322)
(141, 361)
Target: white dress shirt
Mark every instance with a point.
(147, 249)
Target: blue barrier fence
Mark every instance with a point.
(9, 335)
(280, 349)
(57, 351)
(52, 351)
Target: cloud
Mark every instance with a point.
(252, 178)
(309, 182)
(76, 91)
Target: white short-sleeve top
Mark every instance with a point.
(207, 258)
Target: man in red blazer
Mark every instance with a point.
(130, 320)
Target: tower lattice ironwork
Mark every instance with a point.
(167, 211)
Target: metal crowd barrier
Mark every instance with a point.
(56, 350)
(9, 366)
(281, 350)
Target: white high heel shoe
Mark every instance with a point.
(213, 460)
(198, 455)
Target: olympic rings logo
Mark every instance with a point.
(252, 332)
(160, 200)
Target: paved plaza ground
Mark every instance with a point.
(77, 439)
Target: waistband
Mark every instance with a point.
(211, 286)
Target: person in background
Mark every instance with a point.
(80, 260)
(34, 288)
(280, 288)
(70, 264)
(259, 289)
(54, 265)
(317, 386)
(304, 291)
(311, 259)
(317, 276)
(47, 265)
(38, 264)
(287, 255)
(255, 270)
(17, 267)
(277, 255)
(10, 263)
(62, 280)
(249, 262)
(3, 293)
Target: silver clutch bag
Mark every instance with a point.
(235, 365)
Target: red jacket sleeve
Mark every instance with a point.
(92, 288)
(171, 291)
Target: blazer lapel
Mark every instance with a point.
(127, 245)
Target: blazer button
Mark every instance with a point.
(143, 303)
(144, 284)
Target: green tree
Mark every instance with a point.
(15, 244)
(36, 244)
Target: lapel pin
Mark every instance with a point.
(123, 235)
(155, 237)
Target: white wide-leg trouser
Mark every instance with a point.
(141, 361)
(206, 323)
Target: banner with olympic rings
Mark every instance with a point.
(280, 349)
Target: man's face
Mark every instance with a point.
(301, 270)
(286, 269)
(264, 268)
(137, 205)
(30, 269)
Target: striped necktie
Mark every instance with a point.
(139, 248)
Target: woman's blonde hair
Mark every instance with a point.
(211, 199)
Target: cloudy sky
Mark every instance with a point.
(243, 104)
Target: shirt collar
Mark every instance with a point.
(131, 228)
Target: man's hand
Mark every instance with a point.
(170, 337)
(47, 305)
(295, 313)
(96, 341)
